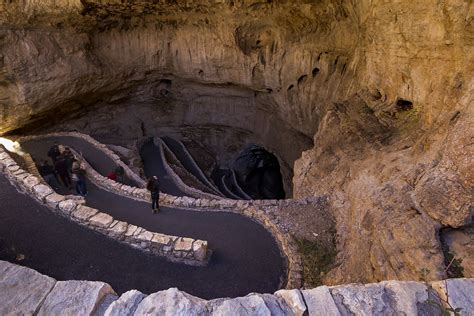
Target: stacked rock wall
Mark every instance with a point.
(25, 291)
(173, 248)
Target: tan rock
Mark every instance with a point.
(160, 239)
(200, 249)
(101, 220)
(184, 244)
(83, 213)
(458, 293)
(54, 199)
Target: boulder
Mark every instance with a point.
(320, 302)
(22, 290)
(171, 302)
(252, 304)
(75, 298)
(294, 299)
(126, 304)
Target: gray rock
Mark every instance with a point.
(358, 299)
(200, 249)
(458, 292)
(84, 212)
(252, 304)
(126, 304)
(294, 300)
(41, 191)
(22, 290)
(118, 229)
(30, 182)
(75, 298)
(408, 298)
(145, 235)
(320, 302)
(53, 200)
(172, 302)
(67, 206)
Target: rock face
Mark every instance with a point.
(367, 102)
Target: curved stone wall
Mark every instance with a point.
(173, 248)
(258, 210)
(25, 291)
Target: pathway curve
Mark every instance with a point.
(246, 258)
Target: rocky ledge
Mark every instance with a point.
(25, 291)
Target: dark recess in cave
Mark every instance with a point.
(403, 105)
(258, 172)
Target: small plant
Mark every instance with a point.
(424, 273)
(454, 268)
(317, 260)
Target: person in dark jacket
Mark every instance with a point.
(48, 174)
(54, 152)
(69, 157)
(61, 168)
(153, 186)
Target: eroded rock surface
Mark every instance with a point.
(97, 298)
(368, 103)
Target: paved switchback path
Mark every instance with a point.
(245, 259)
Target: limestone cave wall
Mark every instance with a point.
(369, 102)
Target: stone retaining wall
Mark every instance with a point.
(173, 248)
(198, 168)
(176, 178)
(24, 291)
(262, 211)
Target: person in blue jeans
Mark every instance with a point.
(153, 186)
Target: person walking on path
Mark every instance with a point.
(79, 175)
(153, 186)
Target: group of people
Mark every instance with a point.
(65, 168)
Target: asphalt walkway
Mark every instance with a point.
(245, 256)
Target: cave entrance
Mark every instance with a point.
(253, 174)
